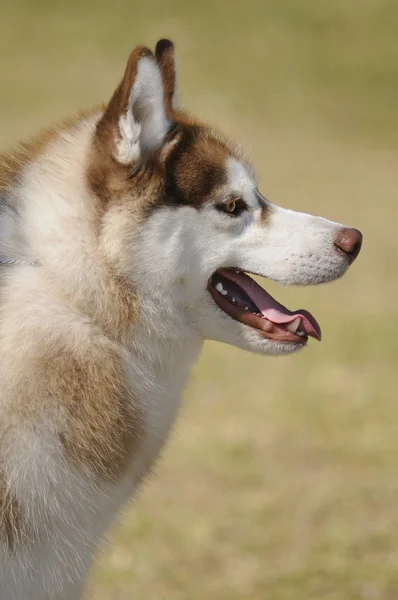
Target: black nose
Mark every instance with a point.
(349, 242)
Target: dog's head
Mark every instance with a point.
(184, 220)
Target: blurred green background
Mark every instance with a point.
(281, 479)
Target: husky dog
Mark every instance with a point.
(126, 239)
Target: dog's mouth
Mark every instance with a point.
(240, 297)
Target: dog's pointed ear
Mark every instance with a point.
(136, 118)
(166, 58)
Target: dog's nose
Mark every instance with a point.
(349, 242)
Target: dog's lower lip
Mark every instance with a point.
(265, 328)
(273, 321)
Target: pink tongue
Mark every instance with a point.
(269, 307)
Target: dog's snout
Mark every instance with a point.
(349, 241)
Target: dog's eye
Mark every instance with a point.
(232, 207)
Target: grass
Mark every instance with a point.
(280, 481)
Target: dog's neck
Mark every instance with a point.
(55, 204)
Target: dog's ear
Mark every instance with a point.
(165, 56)
(135, 119)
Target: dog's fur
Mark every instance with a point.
(119, 208)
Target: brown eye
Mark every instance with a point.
(230, 207)
(233, 207)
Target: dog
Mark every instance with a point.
(127, 238)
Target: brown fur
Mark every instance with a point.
(10, 516)
(100, 423)
(85, 391)
(165, 57)
(188, 169)
(103, 427)
(13, 161)
(265, 212)
(195, 168)
(107, 129)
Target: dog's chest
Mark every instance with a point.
(87, 507)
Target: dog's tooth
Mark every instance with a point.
(246, 308)
(219, 287)
(300, 333)
(294, 325)
(233, 299)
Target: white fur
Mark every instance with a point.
(289, 247)
(171, 257)
(70, 509)
(144, 125)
